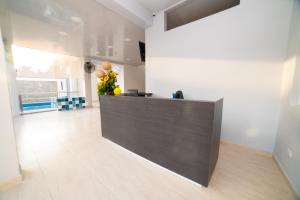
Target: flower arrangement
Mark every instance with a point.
(108, 78)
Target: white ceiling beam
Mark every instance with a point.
(131, 9)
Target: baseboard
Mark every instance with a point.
(286, 176)
(259, 152)
(10, 183)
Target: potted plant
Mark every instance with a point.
(108, 79)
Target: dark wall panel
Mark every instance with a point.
(192, 10)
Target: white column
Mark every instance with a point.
(9, 164)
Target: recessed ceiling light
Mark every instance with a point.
(76, 19)
(127, 39)
(98, 52)
(62, 33)
(110, 47)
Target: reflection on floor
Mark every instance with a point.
(64, 157)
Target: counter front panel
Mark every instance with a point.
(182, 136)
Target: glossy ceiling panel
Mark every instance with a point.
(77, 28)
(157, 5)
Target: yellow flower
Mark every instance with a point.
(106, 78)
(117, 91)
(99, 85)
(112, 74)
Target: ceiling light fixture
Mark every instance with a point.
(62, 33)
(110, 47)
(76, 19)
(127, 39)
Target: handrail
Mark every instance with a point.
(39, 98)
(22, 94)
(69, 92)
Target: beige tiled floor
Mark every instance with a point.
(64, 158)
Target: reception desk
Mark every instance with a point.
(180, 135)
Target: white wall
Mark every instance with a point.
(288, 138)
(236, 54)
(14, 93)
(134, 77)
(5, 22)
(9, 165)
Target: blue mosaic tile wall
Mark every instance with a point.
(70, 103)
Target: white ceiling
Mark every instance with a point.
(157, 5)
(75, 27)
(80, 28)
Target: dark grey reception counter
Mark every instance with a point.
(180, 135)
